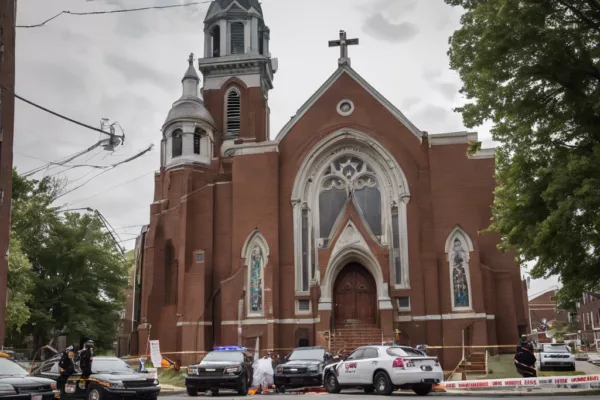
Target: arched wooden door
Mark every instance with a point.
(355, 296)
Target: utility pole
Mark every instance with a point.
(8, 11)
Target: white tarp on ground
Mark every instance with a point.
(263, 373)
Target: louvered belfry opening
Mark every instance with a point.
(238, 42)
(177, 145)
(233, 113)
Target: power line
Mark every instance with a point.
(111, 188)
(60, 115)
(113, 12)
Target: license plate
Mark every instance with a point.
(68, 389)
(210, 370)
(36, 397)
(426, 368)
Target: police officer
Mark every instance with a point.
(67, 367)
(86, 356)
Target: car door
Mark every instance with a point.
(367, 365)
(348, 369)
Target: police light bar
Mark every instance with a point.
(229, 348)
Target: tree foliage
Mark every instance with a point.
(20, 287)
(532, 67)
(79, 274)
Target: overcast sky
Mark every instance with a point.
(128, 67)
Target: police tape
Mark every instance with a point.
(565, 382)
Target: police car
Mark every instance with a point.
(383, 369)
(226, 367)
(17, 384)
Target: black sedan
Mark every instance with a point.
(17, 384)
(223, 368)
(302, 369)
(111, 378)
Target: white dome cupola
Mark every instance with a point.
(188, 131)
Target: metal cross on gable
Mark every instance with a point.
(343, 44)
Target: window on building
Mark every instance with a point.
(396, 259)
(304, 305)
(199, 257)
(215, 33)
(177, 144)
(552, 298)
(238, 41)
(458, 248)
(197, 139)
(256, 281)
(261, 43)
(403, 303)
(305, 251)
(234, 112)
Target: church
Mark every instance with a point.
(350, 227)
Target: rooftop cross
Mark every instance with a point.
(343, 44)
(191, 58)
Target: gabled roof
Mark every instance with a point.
(345, 69)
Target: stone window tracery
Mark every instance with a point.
(346, 177)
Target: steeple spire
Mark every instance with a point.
(190, 80)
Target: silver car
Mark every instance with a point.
(556, 357)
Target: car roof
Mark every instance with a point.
(309, 348)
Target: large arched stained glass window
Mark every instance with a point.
(458, 248)
(347, 176)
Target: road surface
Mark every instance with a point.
(360, 395)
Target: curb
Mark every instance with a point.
(466, 393)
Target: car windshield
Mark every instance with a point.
(313, 354)
(10, 368)
(232, 356)
(110, 366)
(556, 349)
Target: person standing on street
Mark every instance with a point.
(85, 359)
(67, 367)
(525, 358)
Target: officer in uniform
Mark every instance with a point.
(86, 356)
(67, 367)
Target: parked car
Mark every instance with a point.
(555, 357)
(226, 367)
(111, 378)
(384, 369)
(17, 384)
(303, 368)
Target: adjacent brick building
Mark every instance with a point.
(351, 217)
(8, 11)
(543, 309)
(588, 315)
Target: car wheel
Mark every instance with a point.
(94, 393)
(572, 368)
(331, 383)
(369, 389)
(422, 390)
(281, 389)
(191, 391)
(383, 384)
(243, 387)
(214, 392)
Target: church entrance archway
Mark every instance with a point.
(355, 296)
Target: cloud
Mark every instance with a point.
(410, 102)
(379, 27)
(391, 8)
(435, 79)
(135, 71)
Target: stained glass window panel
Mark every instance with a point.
(331, 203)
(255, 282)
(368, 200)
(304, 250)
(460, 282)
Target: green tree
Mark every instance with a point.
(20, 287)
(532, 67)
(80, 274)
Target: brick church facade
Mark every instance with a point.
(350, 219)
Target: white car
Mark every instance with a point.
(384, 369)
(555, 357)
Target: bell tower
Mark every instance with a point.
(238, 70)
